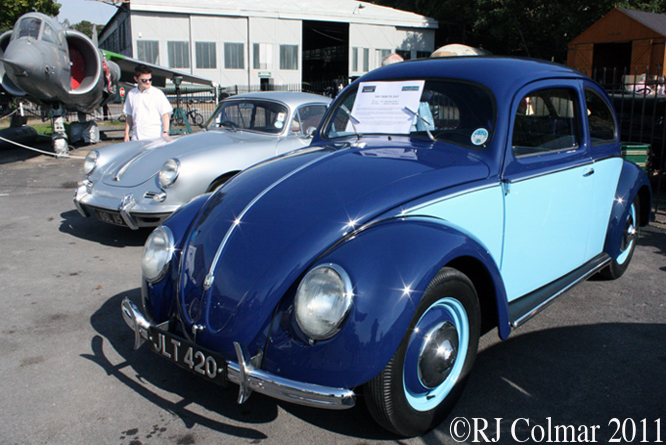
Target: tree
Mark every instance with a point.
(11, 10)
(534, 28)
(85, 27)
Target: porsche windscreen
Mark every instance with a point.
(460, 113)
(254, 115)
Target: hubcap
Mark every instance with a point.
(438, 354)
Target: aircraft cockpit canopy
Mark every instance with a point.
(27, 27)
(30, 26)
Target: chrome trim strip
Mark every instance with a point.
(252, 379)
(210, 277)
(404, 212)
(126, 205)
(550, 172)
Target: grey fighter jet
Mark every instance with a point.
(63, 70)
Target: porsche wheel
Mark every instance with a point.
(619, 265)
(425, 377)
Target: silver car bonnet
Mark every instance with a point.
(139, 166)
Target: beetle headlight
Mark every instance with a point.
(323, 301)
(157, 254)
(91, 162)
(169, 172)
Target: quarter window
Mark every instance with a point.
(599, 119)
(546, 121)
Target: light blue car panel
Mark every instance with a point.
(551, 212)
(479, 213)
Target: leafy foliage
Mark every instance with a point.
(533, 28)
(11, 10)
(85, 27)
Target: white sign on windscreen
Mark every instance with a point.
(385, 107)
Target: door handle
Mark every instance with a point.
(590, 172)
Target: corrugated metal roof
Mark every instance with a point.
(348, 11)
(654, 21)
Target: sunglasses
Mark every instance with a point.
(146, 80)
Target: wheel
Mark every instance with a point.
(178, 120)
(424, 379)
(619, 265)
(198, 119)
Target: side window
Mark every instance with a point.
(546, 121)
(309, 116)
(599, 118)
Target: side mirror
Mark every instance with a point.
(310, 132)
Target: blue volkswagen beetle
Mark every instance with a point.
(440, 198)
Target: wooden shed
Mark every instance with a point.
(627, 40)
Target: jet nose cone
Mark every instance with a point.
(22, 59)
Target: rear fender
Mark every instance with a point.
(633, 182)
(390, 264)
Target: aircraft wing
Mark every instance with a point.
(160, 73)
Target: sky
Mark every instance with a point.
(77, 10)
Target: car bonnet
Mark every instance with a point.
(137, 167)
(260, 232)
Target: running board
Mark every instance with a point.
(528, 306)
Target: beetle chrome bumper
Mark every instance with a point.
(249, 378)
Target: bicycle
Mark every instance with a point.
(192, 114)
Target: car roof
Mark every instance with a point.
(496, 72)
(287, 97)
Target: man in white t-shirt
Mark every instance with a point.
(147, 109)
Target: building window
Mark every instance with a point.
(381, 55)
(205, 52)
(179, 54)
(148, 51)
(422, 54)
(366, 59)
(233, 56)
(262, 55)
(354, 59)
(288, 57)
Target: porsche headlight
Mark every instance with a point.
(91, 162)
(169, 173)
(157, 254)
(323, 301)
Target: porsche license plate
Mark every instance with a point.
(188, 356)
(111, 218)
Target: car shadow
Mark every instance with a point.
(655, 238)
(579, 375)
(92, 229)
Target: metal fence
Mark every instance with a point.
(639, 99)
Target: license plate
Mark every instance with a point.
(111, 218)
(188, 356)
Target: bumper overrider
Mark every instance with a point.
(243, 373)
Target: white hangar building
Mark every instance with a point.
(267, 42)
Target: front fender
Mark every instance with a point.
(390, 263)
(158, 298)
(633, 182)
